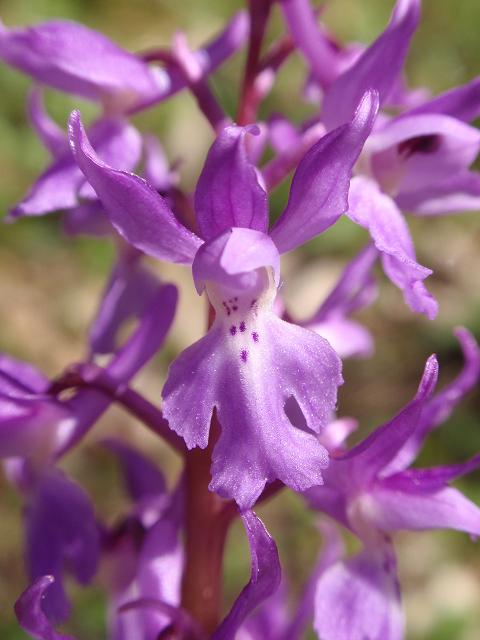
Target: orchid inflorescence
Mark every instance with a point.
(251, 407)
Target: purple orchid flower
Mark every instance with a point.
(237, 263)
(38, 428)
(131, 287)
(418, 161)
(422, 157)
(73, 58)
(148, 575)
(370, 491)
(61, 532)
(34, 424)
(345, 73)
(143, 557)
(62, 185)
(378, 67)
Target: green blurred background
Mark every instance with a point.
(49, 288)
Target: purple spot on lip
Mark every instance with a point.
(255, 336)
(242, 326)
(244, 355)
(235, 308)
(233, 330)
(253, 303)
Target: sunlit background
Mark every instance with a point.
(49, 287)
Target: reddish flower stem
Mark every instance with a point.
(259, 14)
(206, 528)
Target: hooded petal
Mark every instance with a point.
(232, 258)
(128, 294)
(138, 213)
(73, 58)
(264, 578)
(60, 530)
(417, 510)
(377, 68)
(359, 598)
(375, 211)
(228, 193)
(30, 614)
(115, 141)
(319, 191)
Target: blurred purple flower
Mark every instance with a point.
(73, 58)
(38, 429)
(418, 161)
(143, 555)
(62, 186)
(370, 491)
(61, 534)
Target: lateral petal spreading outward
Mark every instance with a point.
(135, 209)
(320, 185)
